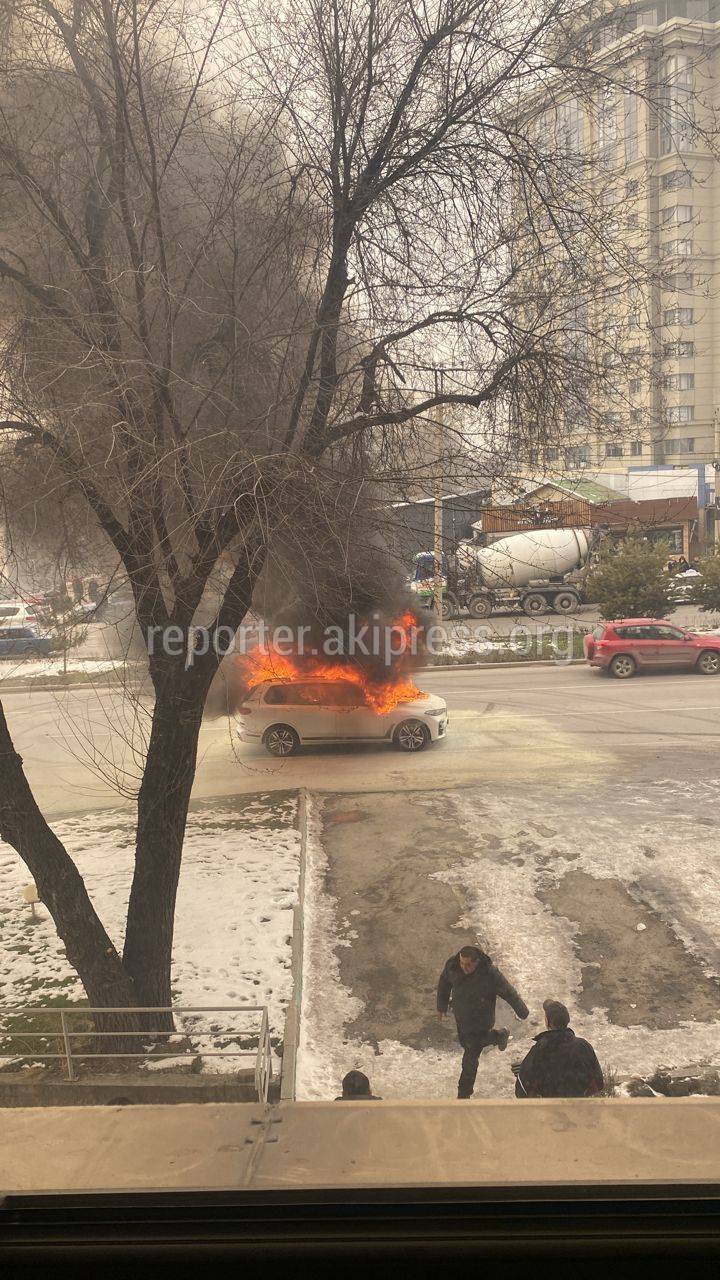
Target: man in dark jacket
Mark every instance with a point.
(560, 1064)
(472, 982)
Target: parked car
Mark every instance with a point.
(17, 613)
(284, 715)
(638, 644)
(23, 642)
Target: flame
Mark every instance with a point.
(265, 663)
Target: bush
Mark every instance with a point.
(630, 581)
(706, 590)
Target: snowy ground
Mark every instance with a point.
(655, 848)
(234, 913)
(33, 668)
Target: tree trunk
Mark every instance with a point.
(163, 803)
(60, 886)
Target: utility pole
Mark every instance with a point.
(439, 480)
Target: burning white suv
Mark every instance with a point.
(282, 715)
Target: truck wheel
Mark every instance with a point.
(479, 607)
(565, 602)
(534, 604)
(450, 607)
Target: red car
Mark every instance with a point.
(639, 644)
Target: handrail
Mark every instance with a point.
(260, 1030)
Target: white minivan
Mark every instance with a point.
(284, 715)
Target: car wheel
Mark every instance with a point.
(479, 607)
(534, 604)
(708, 664)
(623, 666)
(281, 740)
(411, 735)
(565, 602)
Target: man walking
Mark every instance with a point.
(473, 983)
(560, 1064)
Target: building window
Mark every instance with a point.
(570, 127)
(552, 455)
(676, 179)
(678, 350)
(533, 457)
(677, 213)
(681, 282)
(636, 448)
(613, 450)
(577, 456)
(685, 445)
(630, 121)
(607, 124)
(680, 381)
(676, 106)
(632, 188)
(633, 222)
(681, 413)
(676, 249)
(634, 386)
(678, 315)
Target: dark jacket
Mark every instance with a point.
(559, 1065)
(473, 995)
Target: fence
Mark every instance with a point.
(249, 1041)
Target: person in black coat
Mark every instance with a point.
(356, 1088)
(560, 1064)
(471, 981)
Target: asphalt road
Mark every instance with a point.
(562, 725)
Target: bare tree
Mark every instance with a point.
(237, 245)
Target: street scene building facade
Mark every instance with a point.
(660, 173)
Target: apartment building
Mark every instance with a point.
(661, 167)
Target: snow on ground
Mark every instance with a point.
(32, 668)
(234, 923)
(531, 944)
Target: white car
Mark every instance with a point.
(284, 715)
(15, 613)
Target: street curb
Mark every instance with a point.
(291, 1035)
(35, 686)
(512, 662)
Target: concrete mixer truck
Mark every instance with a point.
(528, 571)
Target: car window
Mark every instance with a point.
(667, 633)
(345, 694)
(9, 610)
(276, 695)
(297, 694)
(634, 633)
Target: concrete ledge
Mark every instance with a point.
(16, 1090)
(295, 1146)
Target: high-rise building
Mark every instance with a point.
(654, 127)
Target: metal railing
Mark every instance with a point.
(247, 1041)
